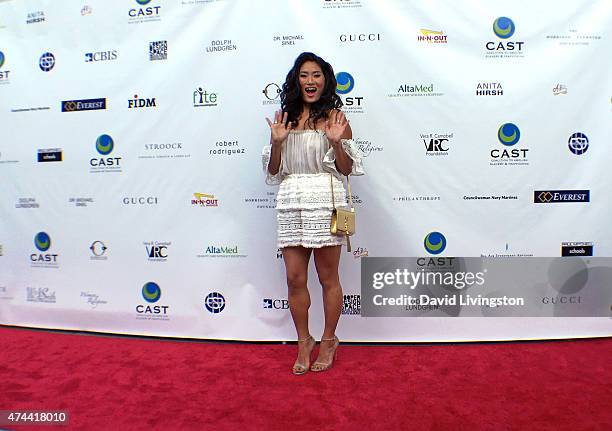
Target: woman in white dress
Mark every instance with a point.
(310, 142)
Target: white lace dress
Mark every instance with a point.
(303, 203)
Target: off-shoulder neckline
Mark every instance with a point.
(307, 131)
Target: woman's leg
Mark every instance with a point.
(296, 265)
(327, 260)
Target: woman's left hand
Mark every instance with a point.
(335, 126)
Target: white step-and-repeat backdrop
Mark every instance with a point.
(132, 196)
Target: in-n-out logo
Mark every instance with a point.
(509, 135)
(4, 74)
(578, 143)
(432, 36)
(345, 83)
(504, 28)
(140, 102)
(214, 302)
(204, 200)
(46, 62)
(272, 92)
(203, 98)
(434, 243)
(145, 13)
(276, 304)
(151, 293)
(105, 146)
(40, 258)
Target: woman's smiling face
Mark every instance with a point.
(312, 81)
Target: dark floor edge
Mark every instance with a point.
(355, 343)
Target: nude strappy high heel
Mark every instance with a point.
(322, 366)
(299, 369)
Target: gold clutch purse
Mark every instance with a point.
(343, 219)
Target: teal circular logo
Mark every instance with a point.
(503, 27)
(104, 144)
(1, 58)
(508, 134)
(42, 241)
(151, 292)
(143, 2)
(344, 83)
(435, 243)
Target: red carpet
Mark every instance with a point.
(117, 383)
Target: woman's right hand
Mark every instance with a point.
(279, 129)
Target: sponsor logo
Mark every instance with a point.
(276, 304)
(158, 50)
(86, 10)
(214, 302)
(561, 196)
(360, 37)
(40, 258)
(416, 90)
(576, 249)
(351, 304)
(157, 251)
(509, 135)
(221, 46)
(3, 161)
(574, 37)
(31, 109)
(490, 197)
(202, 98)
(49, 155)
(83, 105)
(140, 200)
(92, 299)
(204, 200)
(267, 201)
(272, 92)
(151, 293)
(141, 102)
(367, 147)
(504, 28)
(489, 89)
(46, 62)
(559, 89)
(345, 83)
(432, 36)
(436, 144)
(40, 294)
(35, 17)
(100, 56)
(222, 251)
(360, 252)
(578, 143)
(98, 250)
(81, 202)
(226, 148)
(144, 14)
(27, 203)
(105, 146)
(507, 253)
(341, 4)
(414, 198)
(4, 74)
(164, 151)
(288, 40)
(434, 243)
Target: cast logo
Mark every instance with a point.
(277, 304)
(509, 135)
(137, 102)
(434, 243)
(344, 85)
(214, 302)
(100, 56)
(204, 200)
(46, 62)
(4, 74)
(204, 98)
(504, 28)
(42, 242)
(151, 293)
(83, 105)
(144, 14)
(104, 147)
(561, 196)
(578, 143)
(432, 36)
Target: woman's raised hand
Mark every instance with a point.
(335, 126)
(279, 128)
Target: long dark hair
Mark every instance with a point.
(291, 95)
